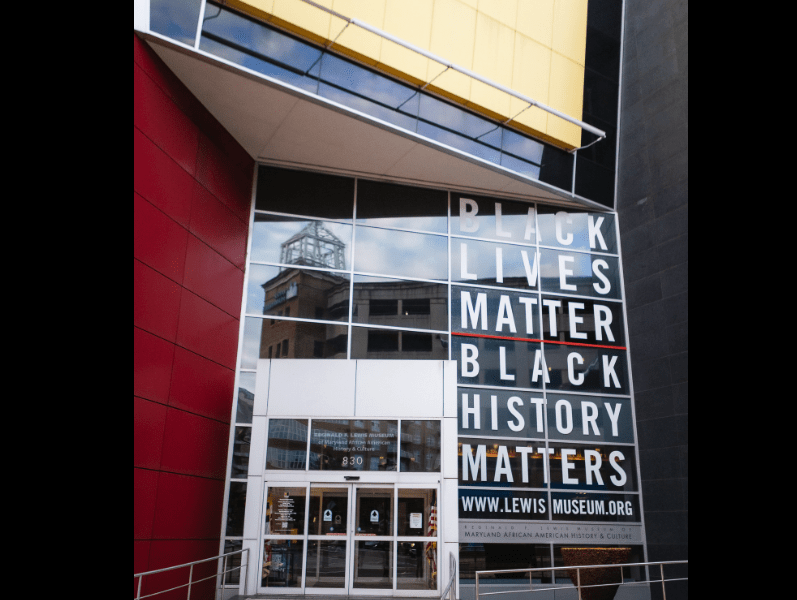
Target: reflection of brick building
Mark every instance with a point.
(411, 304)
(309, 295)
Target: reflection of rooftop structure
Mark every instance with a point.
(314, 246)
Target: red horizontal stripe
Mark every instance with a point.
(517, 339)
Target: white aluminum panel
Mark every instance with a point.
(251, 579)
(446, 551)
(254, 501)
(449, 449)
(450, 388)
(399, 388)
(141, 15)
(257, 447)
(261, 387)
(311, 388)
(449, 528)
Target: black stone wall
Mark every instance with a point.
(653, 205)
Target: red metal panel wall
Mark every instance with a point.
(191, 198)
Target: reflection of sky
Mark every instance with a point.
(401, 253)
(268, 236)
(175, 18)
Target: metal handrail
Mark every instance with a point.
(578, 585)
(220, 576)
(452, 566)
(449, 65)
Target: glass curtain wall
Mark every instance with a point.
(526, 297)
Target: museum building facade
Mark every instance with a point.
(401, 304)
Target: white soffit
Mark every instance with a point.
(278, 124)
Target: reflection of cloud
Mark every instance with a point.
(401, 253)
(177, 20)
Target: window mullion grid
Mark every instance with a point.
(351, 269)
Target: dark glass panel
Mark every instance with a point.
(235, 509)
(556, 167)
(602, 153)
(420, 448)
(329, 510)
(282, 563)
(496, 557)
(373, 565)
(414, 566)
(600, 99)
(287, 444)
(305, 193)
(176, 19)
(603, 53)
(285, 510)
(233, 575)
(239, 467)
(326, 564)
(414, 510)
(595, 182)
(353, 445)
(392, 205)
(373, 514)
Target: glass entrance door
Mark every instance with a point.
(328, 539)
(357, 539)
